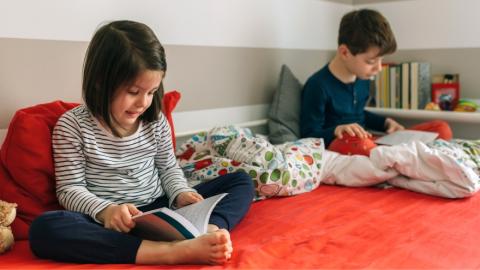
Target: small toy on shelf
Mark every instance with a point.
(8, 211)
(465, 105)
(446, 90)
(432, 106)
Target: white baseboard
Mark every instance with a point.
(191, 122)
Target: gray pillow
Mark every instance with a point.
(284, 114)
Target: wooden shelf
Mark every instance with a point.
(458, 117)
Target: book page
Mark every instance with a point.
(405, 136)
(199, 213)
(163, 224)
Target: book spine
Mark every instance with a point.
(414, 85)
(393, 86)
(424, 85)
(405, 86)
(398, 90)
(377, 91)
(386, 84)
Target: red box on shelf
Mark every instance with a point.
(446, 95)
(446, 90)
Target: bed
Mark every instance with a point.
(337, 227)
(328, 227)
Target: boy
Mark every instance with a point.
(334, 98)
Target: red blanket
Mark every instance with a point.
(337, 227)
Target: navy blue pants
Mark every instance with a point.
(75, 237)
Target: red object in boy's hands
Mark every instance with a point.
(352, 145)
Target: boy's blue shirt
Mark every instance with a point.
(327, 103)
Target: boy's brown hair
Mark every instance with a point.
(365, 28)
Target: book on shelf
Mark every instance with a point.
(420, 85)
(406, 136)
(405, 85)
(165, 224)
(372, 96)
(395, 86)
(379, 85)
(383, 83)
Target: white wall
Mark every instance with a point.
(284, 24)
(430, 24)
(271, 24)
(295, 24)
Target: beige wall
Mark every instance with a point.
(216, 57)
(363, 2)
(38, 71)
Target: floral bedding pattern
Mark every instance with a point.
(465, 152)
(277, 170)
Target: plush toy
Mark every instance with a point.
(432, 106)
(465, 105)
(8, 211)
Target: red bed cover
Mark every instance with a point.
(336, 227)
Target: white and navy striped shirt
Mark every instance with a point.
(95, 169)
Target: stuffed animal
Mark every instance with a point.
(8, 211)
(432, 106)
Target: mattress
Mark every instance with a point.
(337, 227)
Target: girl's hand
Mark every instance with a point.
(392, 126)
(118, 217)
(354, 130)
(186, 198)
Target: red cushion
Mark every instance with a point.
(170, 101)
(27, 175)
(441, 127)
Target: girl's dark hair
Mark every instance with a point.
(364, 28)
(118, 53)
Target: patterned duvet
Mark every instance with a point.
(446, 169)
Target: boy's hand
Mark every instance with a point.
(118, 217)
(352, 130)
(392, 126)
(186, 198)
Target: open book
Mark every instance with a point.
(405, 136)
(164, 224)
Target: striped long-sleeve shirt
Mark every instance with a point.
(94, 169)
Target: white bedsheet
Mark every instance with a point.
(440, 168)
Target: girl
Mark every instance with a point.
(114, 159)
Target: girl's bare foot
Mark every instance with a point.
(210, 248)
(212, 228)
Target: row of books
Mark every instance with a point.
(402, 86)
